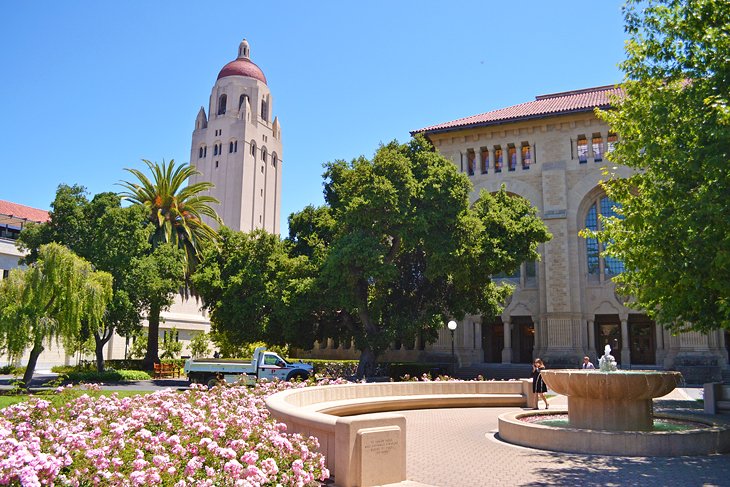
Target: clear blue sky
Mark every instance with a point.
(89, 88)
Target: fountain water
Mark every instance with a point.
(607, 363)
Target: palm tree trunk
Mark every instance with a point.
(32, 361)
(153, 332)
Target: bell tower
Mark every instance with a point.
(237, 147)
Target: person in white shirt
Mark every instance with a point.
(587, 364)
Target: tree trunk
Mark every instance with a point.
(366, 366)
(99, 342)
(32, 361)
(153, 338)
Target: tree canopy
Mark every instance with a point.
(249, 284)
(109, 237)
(399, 250)
(49, 300)
(674, 127)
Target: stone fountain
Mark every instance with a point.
(611, 412)
(611, 400)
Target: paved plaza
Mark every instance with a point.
(461, 448)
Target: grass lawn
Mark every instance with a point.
(60, 399)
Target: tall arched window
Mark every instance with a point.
(264, 154)
(274, 159)
(604, 207)
(222, 104)
(265, 108)
(241, 99)
(253, 149)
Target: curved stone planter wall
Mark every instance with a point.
(350, 419)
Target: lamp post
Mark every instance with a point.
(452, 326)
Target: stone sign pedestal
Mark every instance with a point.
(370, 450)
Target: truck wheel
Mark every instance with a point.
(297, 375)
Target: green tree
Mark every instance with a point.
(159, 276)
(247, 283)
(109, 237)
(171, 346)
(200, 345)
(674, 127)
(177, 212)
(49, 300)
(402, 251)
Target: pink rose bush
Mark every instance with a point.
(200, 437)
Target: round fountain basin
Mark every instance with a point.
(611, 401)
(594, 384)
(709, 438)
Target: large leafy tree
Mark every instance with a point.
(176, 212)
(401, 250)
(674, 128)
(109, 237)
(249, 283)
(49, 300)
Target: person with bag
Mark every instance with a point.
(538, 385)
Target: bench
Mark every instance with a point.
(717, 398)
(359, 428)
(166, 370)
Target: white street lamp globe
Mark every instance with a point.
(452, 325)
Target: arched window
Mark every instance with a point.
(597, 146)
(264, 154)
(222, 104)
(230, 147)
(215, 149)
(253, 149)
(241, 99)
(265, 109)
(274, 159)
(511, 157)
(604, 207)
(200, 152)
(498, 158)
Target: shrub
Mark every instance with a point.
(12, 370)
(108, 375)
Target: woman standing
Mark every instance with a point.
(538, 385)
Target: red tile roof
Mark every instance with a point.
(545, 105)
(22, 212)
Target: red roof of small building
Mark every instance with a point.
(242, 67)
(545, 105)
(22, 212)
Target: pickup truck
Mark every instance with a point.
(264, 365)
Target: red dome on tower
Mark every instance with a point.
(243, 66)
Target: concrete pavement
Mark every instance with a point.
(461, 448)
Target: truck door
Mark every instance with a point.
(270, 368)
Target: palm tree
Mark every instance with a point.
(176, 212)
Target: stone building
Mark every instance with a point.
(238, 147)
(551, 151)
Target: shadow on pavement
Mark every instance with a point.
(595, 470)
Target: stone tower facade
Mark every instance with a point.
(237, 147)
